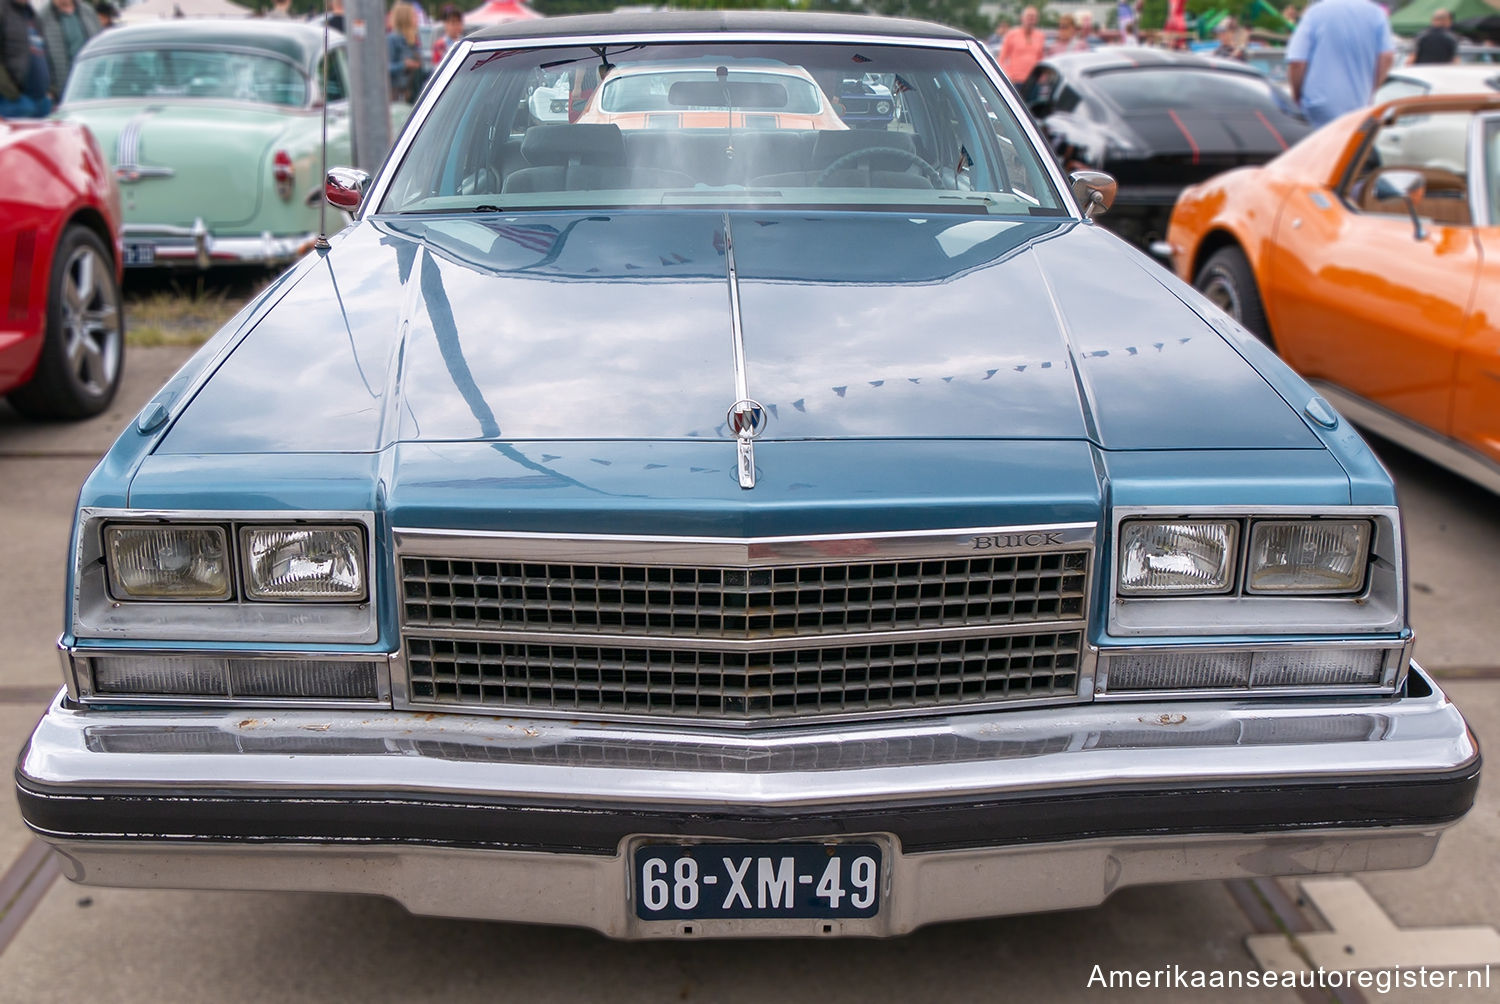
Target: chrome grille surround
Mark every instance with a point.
(744, 631)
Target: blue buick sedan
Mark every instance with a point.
(722, 521)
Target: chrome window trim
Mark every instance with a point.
(1479, 189)
(1039, 146)
(751, 552)
(79, 679)
(1379, 609)
(94, 614)
(1393, 673)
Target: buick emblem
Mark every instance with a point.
(747, 419)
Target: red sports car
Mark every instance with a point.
(62, 334)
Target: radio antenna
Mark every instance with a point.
(321, 244)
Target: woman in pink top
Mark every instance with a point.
(1022, 47)
(1069, 38)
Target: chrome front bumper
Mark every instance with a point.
(533, 821)
(197, 247)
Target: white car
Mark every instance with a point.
(549, 103)
(1439, 78)
(1439, 142)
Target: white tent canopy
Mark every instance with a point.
(155, 10)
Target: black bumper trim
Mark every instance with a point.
(1244, 807)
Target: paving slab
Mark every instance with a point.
(1448, 522)
(150, 947)
(146, 369)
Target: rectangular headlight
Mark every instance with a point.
(303, 562)
(1177, 557)
(1307, 556)
(167, 562)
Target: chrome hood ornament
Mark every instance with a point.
(747, 419)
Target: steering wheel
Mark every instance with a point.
(928, 170)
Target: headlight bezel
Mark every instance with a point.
(1379, 607)
(96, 614)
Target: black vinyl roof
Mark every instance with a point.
(704, 22)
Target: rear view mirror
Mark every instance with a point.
(1408, 186)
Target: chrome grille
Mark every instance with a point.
(740, 685)
(772, 630)
(799, 601)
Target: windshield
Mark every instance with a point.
(187, 73)
(1158, 89)
(843, 126)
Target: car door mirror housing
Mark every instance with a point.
(344, 188)
(1095, 192)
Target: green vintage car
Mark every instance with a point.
(212, 128)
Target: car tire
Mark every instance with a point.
(83, 351)
(1229, 283)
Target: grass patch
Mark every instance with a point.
(177, 317)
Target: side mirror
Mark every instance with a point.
(1095, 192)
(1408, 186)
(344, 188)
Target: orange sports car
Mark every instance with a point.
(1368, 255)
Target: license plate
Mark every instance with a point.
(139, 254)
(776, 881)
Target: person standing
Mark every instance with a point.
(405, 58)
(108, 14)
(1125, 22)
(1337, 56)
(65, 26)
(336, 15)
(24, 77)
(453, 30)
(1087, 30)
(1437, 44)
(1068, 39)
(1232, 40)
(1022, 48)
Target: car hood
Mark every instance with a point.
(217, 154)
(618, 326)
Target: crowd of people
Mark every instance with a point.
(37, 50)
(1337, 55)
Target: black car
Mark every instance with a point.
(1158, 121)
